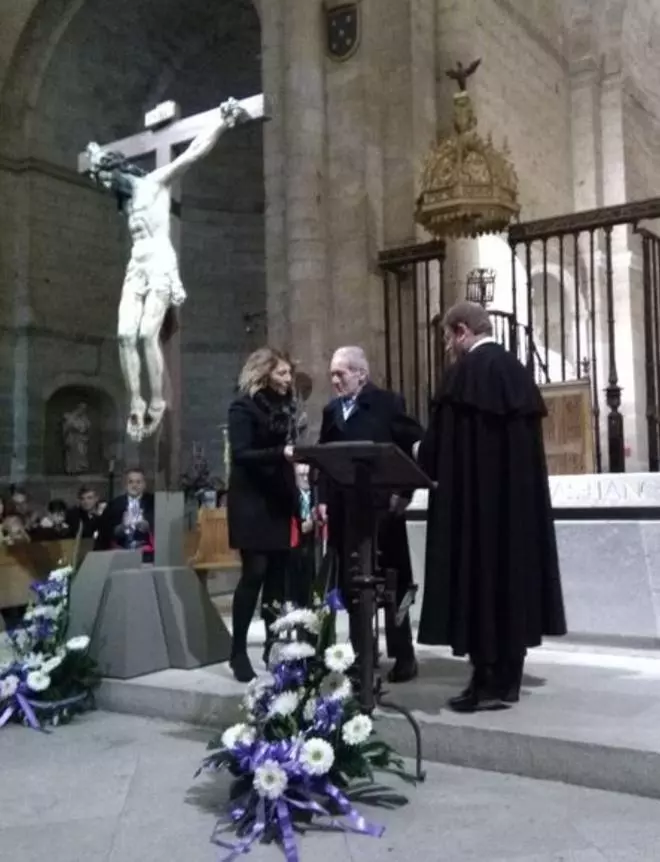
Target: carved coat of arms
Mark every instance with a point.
(343, 28)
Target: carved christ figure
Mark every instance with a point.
(152, 283)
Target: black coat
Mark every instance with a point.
(262, 496)
(113, 515)
(379, 417)
(492, 582)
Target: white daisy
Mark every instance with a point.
(61, 574)
(296, 652)
(78, 644)
(337, 686)
(357, 730)
(270, 780)
(33, 661)
(301, 617)
(38, 681)
(339, 658)
(284, 704)
(238, 734)
(8, 686)
(317, 756)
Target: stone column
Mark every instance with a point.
(628, 298)
(298, 307)
(306, 185)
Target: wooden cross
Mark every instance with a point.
(164, 132)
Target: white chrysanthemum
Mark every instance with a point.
(255, 690)
(337, 686)
(38, 681)
(61, 574)
(8, 686)
(317, 756)
(299, 618)
(309, 710)
(47, 612)
(357, 730)
(296, 652)
(51, 664)
(238, 734)
(33, 661)
(78, 644)
(284, 704)
(339, 658)
(270, 780)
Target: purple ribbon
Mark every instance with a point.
(29, 708)
(355, 820)
(238, 848)
(21, 704)
(286, 828)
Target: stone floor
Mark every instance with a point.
(113, 788)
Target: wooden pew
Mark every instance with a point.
(24, 563)
(213, 551)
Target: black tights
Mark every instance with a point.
(260, 570)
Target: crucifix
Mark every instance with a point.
(153, 291)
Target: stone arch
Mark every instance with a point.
(32, 34)
(101, 413)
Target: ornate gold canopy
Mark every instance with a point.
(467, 187)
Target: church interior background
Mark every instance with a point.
(302, 230)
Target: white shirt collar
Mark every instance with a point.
(487, 339)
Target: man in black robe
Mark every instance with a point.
(362, 411)
(492, 587)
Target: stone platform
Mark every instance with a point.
(588, 717)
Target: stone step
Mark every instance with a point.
(587, 717)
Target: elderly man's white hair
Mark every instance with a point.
(354, 357)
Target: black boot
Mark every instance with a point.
(404, 669)
(482, 693)
(242, 667)
(509, 677)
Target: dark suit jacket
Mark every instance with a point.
(262, 497)
(113, 515)
(379, 417)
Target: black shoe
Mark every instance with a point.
(482, 694)
(242, 667)
(403, 670)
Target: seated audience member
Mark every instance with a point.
(13, 530)
(87, 513)
(128, 520)
(53, 525)
(20, 504)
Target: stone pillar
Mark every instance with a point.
(628, 298)
(305, 194)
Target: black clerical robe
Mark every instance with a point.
(492, 585)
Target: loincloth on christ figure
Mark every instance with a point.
(165, 282)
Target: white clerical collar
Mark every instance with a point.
(487, 339)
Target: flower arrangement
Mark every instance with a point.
(303, 740)
(47, 673)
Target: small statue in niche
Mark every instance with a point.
(76, 426)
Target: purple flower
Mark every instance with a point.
(334, 601)
(328, 715)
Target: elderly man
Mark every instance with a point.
(363, 411)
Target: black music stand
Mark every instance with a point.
(362, 471)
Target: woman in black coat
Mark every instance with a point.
(262, 496)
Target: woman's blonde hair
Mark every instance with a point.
(258, 368)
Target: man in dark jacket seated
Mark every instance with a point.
(363, 411)
(128, 521)
(87, 513)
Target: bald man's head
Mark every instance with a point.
(349, 370)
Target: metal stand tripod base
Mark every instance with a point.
(420, 774)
